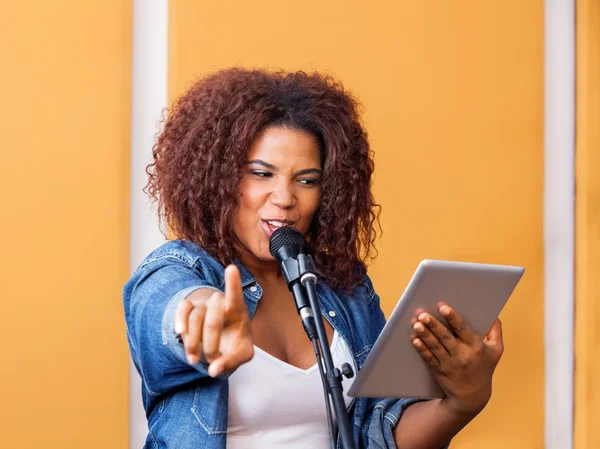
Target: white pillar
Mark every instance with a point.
(559, 221)
(149, 99)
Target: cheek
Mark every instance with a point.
(252, 197)
(249, 205)
(310, 206)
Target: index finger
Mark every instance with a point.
(181, 314)
(234, 298)
(460, 327)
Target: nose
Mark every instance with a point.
(283, 195)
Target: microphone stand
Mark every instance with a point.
(285, 245)
(333, 378)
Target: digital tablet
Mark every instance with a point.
(478, 292)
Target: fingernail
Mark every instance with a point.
(445, 310)
(424, 318)
(416, 342)
(192, 359)
(419, 327)
(214, 370)
(178, 327)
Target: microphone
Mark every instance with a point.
(286, 245)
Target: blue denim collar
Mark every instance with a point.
(246, 276)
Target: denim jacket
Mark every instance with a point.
(186, 408)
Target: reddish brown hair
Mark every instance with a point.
(199, 157)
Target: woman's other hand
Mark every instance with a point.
(216, 326)
(461, 361)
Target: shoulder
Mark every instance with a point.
(360, 301)
(168, 270)
(358, 315)
(365, 289)
(363, 292)
(177, 263)
(181, 252)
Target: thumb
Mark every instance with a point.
(493, 339)
(495, 333)
(231, 360)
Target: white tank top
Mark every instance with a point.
(273, 404)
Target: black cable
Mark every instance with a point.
(315, 343)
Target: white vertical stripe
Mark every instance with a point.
(559, 203)
(149, 99)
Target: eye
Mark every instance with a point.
(261, 173)
(309, 181)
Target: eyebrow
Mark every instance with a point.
(306, 171)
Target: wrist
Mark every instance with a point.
(463, 410)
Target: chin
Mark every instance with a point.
(266, 257)
(262, 254)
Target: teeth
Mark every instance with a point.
(276, 224)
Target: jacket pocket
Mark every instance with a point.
(361, 356)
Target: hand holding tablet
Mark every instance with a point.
(461, 362)
(427, 350)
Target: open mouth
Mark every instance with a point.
(270, 226)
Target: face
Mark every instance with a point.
(279, 187)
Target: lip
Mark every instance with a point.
(285, 221)
(267, 229)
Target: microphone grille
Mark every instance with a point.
(286, 235)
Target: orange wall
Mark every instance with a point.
(587, 230)
(454, 105)
(65, 116)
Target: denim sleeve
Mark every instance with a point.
(386, 413)
(150, 299)
(382, 415)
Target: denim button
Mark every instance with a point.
(253, 288)
(331, 313)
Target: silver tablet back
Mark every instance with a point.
(477, 292)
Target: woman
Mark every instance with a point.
(221, 351)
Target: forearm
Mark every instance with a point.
(428, 425)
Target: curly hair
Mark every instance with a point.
(200, 154)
